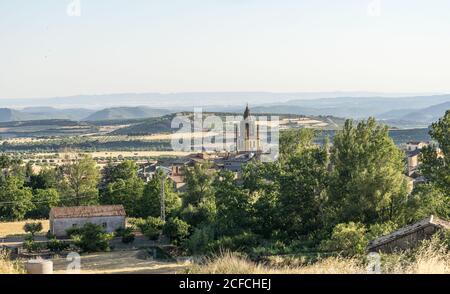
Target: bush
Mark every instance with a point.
(74, 232)
(30, 245)
(378, 230)
(57, 246)
(50, 236)
(126, 235)
(32, 228)
(240, 243)
(347, 239)
(177, 230)
(151, 227)
(93, 238)
(200, 240)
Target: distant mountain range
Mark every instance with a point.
(79, 114)
(126, 113)
(183, 100)
(425, 115)
(402, 112)
(420, 111)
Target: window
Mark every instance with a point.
(104, 225)
(74, 225)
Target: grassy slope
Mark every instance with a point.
(430, 258)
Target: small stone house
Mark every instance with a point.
(409, 236)
(110, 217)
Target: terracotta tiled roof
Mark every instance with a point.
(88, 211)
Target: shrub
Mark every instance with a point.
(32, 228)
(177, 230)
(30, 245)
(199, 240)
(74, 232)
(57, 246)
(378, 230)
(347, 239)
(151, 227)
(50, 236)
(241, 243)
(126, 235)
(93, 238)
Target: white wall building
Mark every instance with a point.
(110, 217)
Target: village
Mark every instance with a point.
(133, 245)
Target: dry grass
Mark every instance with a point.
(16, 228)
(7, 266)
(431, 258)
(231, 263)
(119, 262)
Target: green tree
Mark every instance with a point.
(45, 179)
(121, 185)
(127, 192)
(233, 205)
(262, 180)
(199, 185)
(427, 200)
(32, 228)
(176, 230)
(15, 199)
(198, 205)
(293, 141)
(436, 159)
(303, 192)
(150, 204)
(112, 173)
(43, 201)
(367, 184)
(79, 181)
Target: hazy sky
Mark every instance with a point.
(120, 46)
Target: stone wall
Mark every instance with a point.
(407, 241)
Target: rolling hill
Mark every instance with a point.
(429, 114)
(7, 115)
(415, 118)
(126, 113)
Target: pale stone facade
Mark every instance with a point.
(110, 218)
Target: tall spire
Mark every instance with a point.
(247, 112)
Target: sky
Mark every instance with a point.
(51, 48)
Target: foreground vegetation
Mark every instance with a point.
(432, 257)
(7, 266)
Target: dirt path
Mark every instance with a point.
(122, 262)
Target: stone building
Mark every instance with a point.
(409, 236)
(110, 217)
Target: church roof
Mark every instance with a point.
(247, 112)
